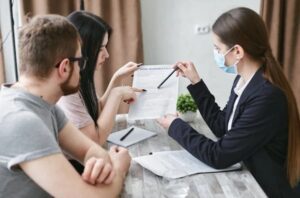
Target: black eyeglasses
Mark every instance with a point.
(82, 62)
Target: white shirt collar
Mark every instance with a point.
(241, 85)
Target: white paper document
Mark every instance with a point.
(176, 164)
(154, 103)
(135, 136)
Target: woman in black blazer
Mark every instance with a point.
(260, 123)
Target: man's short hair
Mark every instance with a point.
(45, 41)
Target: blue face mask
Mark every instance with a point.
(220, 60)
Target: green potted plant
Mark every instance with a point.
(187, 107)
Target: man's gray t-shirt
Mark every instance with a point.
(29, 128)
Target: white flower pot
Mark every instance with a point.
(188, 116)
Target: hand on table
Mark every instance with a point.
(120, 159)
(98, 170)
(167, 120)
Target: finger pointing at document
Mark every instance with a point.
(129, 93)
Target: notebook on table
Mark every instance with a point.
(125, 138)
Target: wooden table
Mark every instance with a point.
(142, 183)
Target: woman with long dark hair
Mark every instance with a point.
(260, 123)
(84, 107)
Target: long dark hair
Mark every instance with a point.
(246, 27)
(92, 30)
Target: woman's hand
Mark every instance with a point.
(167, 120)
(117, 79)
(127, 93)
(126, 70)
(188, 70)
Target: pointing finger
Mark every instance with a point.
(138, 90)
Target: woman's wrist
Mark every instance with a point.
(117, 92)
(115, 78)
(195, 81)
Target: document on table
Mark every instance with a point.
(135, 136)
(176, 164)
(154, 103)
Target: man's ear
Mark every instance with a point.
(239, 52)
(64, 68)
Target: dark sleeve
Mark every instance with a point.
(260, 120)
(209, 109)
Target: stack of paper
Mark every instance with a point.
(176, 164)
(136, 135)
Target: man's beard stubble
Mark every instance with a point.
(66, 88)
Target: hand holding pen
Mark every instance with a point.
(127, 92)
(126, 70)
(188, 70)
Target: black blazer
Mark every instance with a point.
(258, 136)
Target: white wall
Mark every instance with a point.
(169, 35)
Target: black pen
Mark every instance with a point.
(124, 136)
(176, 68)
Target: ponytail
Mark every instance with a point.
(273, 73)
(245, 27)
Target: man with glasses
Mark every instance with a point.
(81, 60)
(35, 132)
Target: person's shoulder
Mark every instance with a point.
(272, 93)
(272, 89)
(21, 121)
(72, 99)
(23, 116)
(71, 96)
